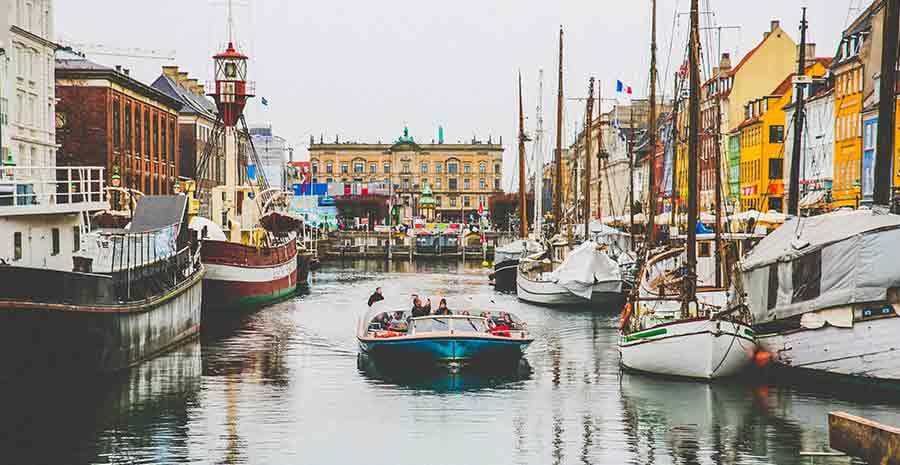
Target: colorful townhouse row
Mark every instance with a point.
(751, 106)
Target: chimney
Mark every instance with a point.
(126, 71)
(118, 68)
(774, 24)
(191, 85)
(182, 77)
(810, 55)
(201, 90)
(725, 63)
(170, 71)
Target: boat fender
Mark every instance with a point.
(762, 359)
(626, 314)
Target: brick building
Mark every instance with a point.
(107, 118)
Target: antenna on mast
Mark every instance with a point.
(230, 13)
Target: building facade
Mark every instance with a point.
(817, 150)
(849, 76)
(461, 176)
(273, 154)
(107, 118)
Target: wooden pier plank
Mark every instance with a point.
(871, 441)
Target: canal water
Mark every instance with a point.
(285, 385)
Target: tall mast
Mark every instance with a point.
(588, 145)
(557, 197)
(651, 177)
(539, 160)
(693, 145)
(600, 153)
(796, 153)
(630, 144)
(230, 12)
(675, 142)
(523, 198)
(719, 255)
(886, 105)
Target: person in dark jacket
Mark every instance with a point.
(418, 308)
(376, 296)
(442, 308)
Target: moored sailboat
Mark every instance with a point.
(677, 323)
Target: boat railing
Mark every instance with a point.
(35, 189)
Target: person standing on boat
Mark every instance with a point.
(376, 296)
(418, 309)
(442, 308)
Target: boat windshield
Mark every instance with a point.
(428, 325)
(469, 325)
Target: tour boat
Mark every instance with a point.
(392, 335)
(824, 293)
(585, 275)
(660, 336)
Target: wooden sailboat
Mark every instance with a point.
(823, 290)
(585, 275)
(677, 323)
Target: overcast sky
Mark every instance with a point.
(363, 68)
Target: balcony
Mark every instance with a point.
(40, 190)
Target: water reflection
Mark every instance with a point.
(140, 416)
(443, 379)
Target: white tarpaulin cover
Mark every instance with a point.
(832, 260)
(515, 249)
(584, 266)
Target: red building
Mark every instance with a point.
(107, 118)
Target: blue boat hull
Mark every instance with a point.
(444, 349)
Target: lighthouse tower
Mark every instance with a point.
(231, 92)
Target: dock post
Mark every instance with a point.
(873, 442)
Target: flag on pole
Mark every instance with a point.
(264, 101)
(622, 87)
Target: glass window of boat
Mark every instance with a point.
(17, 246)
(76, 238)
(427, 325)
(704, 250)
(55, 239)
(469, 325)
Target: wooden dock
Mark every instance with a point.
(871, 441)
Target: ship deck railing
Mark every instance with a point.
(30, 190)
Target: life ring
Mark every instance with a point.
(626, 314)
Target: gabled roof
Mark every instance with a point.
(785, 85)
(72, 66)
(192, 103)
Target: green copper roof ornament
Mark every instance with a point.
(405, 137)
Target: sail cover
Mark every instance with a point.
(837, 259)
(584, 266)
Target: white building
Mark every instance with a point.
(817, 154)
(273, 154)
(43, 210)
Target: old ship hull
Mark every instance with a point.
(549, 293)
(69, 331)
(243, 277)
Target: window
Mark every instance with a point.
(17, 246)
(452, 201)
(329, 179)
(54, 233)
(497, 184)
(497, 168)
(373, 168)
(76, 238)
(406, 169)
(437, 183)
(437, 201)
(467, 168)
(315, 168)
(705, 250)
(172, 142)
(776, 168)
(387, 168)
(482, 184)
(164, 138)
(424, 182)
(452, 167)
(404, 184)
(147, 151)
(467, 184)
(358, 167)
(452, 184)
(466, 202)
(138, 145)
(438, 168)
(155, 139)
(329, 168)
(424, 168)
(116, 125)
(345, 168)
(482, 168)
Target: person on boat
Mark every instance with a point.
(501, 326)
(442, 308)
(376, 296)
(398, 322)
(418, 308)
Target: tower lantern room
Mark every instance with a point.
(232, 88)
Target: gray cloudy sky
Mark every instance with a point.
(363, 68)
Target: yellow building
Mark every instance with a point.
(762, 139)
(848, 71)
(461, 176)
(758, 72)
